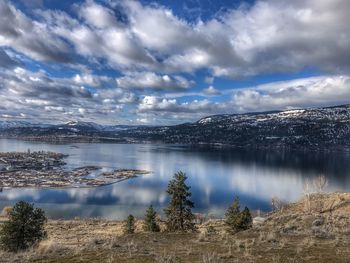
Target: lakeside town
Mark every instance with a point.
(47, 170)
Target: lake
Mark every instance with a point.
(215, 177)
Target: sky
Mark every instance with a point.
(169, 62)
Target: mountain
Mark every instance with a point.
(322, 128)
(15, 124)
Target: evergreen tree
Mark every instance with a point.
(236, 219)
(24, 228)
(233, 213)
(246, 219)
(150, 224)
(179, 214)
(129, 226)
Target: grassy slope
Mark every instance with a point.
(315, 229)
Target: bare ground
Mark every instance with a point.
(315, 229)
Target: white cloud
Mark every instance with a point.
(154, 104)
(101, 39)
(265, 37)
(151, 49)
(6, 61)
(97, 15)
(299, 93)
(152, 80)
(30, 37)
(209, 80)
(211, 91)
(42, 97)
(158, 28)
(93, 80)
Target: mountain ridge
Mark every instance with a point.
(326, 128)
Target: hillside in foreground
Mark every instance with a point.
(322, 128)
(314, 229)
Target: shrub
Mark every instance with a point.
(179, 214)
(129, 226)
(211, 230)
(236, 219)
(24, 228)
(150, 223)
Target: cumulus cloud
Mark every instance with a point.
(30, 37)
(99, 39)
(152, 80)
(150, 54)
(98, 16)
(299, 93)
(154, 104)
(38, 96)
(93, 80)
(211, 91)
(265, 37)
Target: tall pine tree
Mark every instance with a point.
(150, 223)
(179, 214)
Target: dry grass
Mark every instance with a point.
(287, 235)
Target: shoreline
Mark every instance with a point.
(45, 170)
(293, 233)
(103, 140)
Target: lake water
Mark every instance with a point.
(215, 177)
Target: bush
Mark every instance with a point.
(129, 226)
(150, 224)
(179, 213)
(24, 228)
(211, 230)
(236, 219)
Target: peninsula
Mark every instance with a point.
(47, 170)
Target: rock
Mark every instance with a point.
(258, 220)
(320, 233)
(318, 222)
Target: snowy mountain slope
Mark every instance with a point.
(304, 128)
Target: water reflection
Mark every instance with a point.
(215, 176)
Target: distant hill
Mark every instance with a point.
(326, 128)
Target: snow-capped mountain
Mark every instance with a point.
(15, 124)
(326, 128)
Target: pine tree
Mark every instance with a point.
(179, 214)
(129, 226)
(233, 213)
(24, 228)
(150, 224)
(246, 220)
(236, 219)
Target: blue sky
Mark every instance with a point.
(168, 62)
